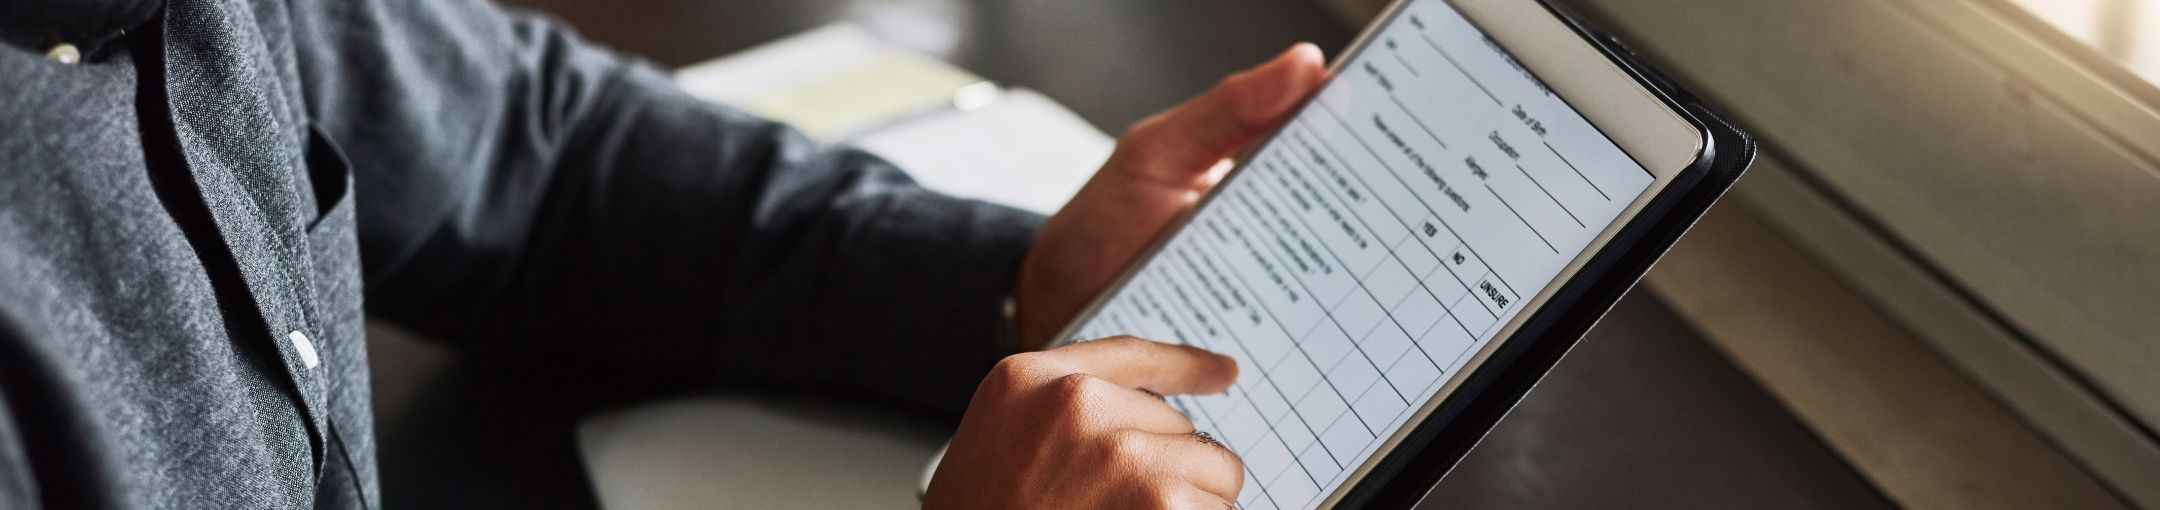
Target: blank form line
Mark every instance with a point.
(1548, 194)
(1459, 68)
(1407, 112)
(1578, 171)
(1406, 65)
(1519, 217)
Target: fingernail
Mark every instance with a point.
(1307, 51)
(1208, 439)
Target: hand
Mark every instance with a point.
(1084, 426)
(1161, 167)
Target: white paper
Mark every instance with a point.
(1022, 150)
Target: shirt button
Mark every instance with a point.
(64, 53)
(305, 347)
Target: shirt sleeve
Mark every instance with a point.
(523, 193)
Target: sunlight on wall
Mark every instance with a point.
(2125, 30)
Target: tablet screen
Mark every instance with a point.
(1364, 255)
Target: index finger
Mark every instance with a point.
(1159, 367)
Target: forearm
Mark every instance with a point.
(524, 193)
(689, 227)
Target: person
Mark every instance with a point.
(201, 201)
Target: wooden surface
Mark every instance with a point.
(2035, 196)
(1906, 420)
(1644, 414)
(1988, 189)
(2053, 403)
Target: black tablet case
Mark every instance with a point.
(1411, 470)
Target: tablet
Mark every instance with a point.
(1467, 161)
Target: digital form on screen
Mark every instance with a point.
(1365, 254)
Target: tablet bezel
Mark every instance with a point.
(1643, 123)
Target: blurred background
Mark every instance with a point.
(1938, 288)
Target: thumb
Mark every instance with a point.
(1180, 145)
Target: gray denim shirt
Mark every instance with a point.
(197, 215)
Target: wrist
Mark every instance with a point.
(1027, 310)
